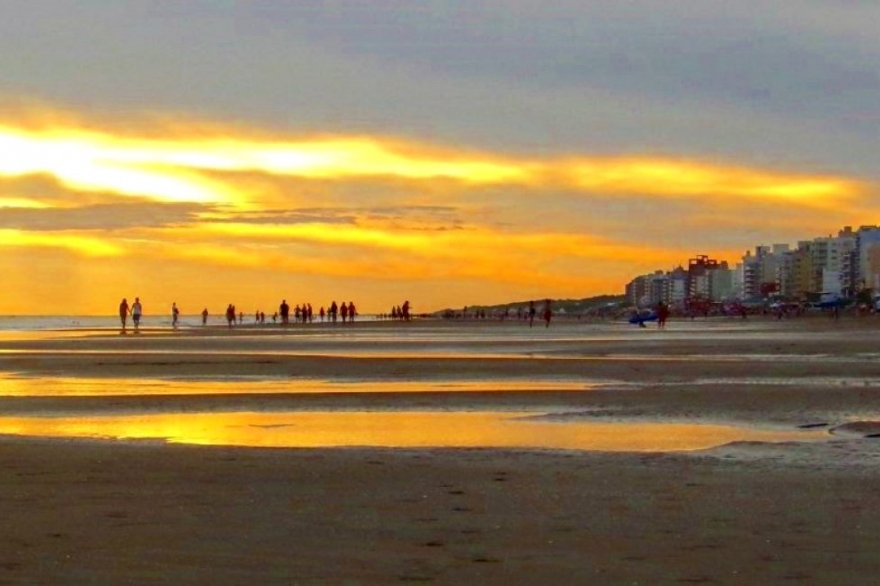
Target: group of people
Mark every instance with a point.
(136, 311)
(301, 314)
(546, 313)
(304, 314)
(401, 312)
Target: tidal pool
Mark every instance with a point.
(399, 429)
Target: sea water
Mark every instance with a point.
(79, 407)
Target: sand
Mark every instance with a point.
(111, 512)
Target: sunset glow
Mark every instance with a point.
(233, 224)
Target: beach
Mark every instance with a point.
(716, 451)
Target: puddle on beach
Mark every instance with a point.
(412, 429)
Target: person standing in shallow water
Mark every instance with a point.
(123, 314)
(137, 311)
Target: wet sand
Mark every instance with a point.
(81, 511)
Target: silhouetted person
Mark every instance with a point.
(175, 316)
(662, 314)
(137, 311)
(230, 315)
(351, 312)
(532, 313)
(123, 314)
(205, 316)
(547, 313)
(285, 312)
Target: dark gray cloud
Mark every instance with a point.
(426, 217)
(117, 216)
(298, 216)
(791, 83)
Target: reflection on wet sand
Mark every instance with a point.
(396, 429)
(246, 385)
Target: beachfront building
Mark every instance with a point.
(831, 260)
(761, 271)
(849, 263)
(677, 287)
(704, 279)
(649, 290)
(721, 283)
(709, 279)
(842, 265)
(867, 250)
(699, 269)
(637, 290)
(817, 266)
(737, 278)
(794, 273)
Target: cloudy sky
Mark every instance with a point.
(451, 152)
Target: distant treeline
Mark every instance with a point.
(598, 306)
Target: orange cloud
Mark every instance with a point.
(185, 168)
(91, 246)
(678, 178)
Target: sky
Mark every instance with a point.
(449, 153)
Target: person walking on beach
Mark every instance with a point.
(205, 316)
(175, 316)
(137, 311)
(285, 312)
(230, 315)
(123, 314)
(532, 312)
(662, 315)
(547, 313)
